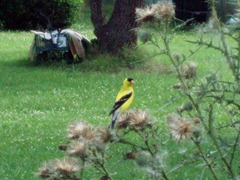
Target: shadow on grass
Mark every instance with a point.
(127, 60)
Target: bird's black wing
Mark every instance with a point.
(120, 102)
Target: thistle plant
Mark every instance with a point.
(86, 145)
(205, 96)
(197, 122)
(91, 147)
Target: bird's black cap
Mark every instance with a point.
(130, 79)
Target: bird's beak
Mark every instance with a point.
(132, 81)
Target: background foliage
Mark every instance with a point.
(18, 14)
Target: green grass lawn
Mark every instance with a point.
(38, 102)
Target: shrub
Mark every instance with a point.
(23, 15)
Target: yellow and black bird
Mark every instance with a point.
(123, 100)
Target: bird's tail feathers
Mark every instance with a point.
(114, 118)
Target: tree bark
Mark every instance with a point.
(118, 32)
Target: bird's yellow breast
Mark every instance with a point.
(122, 93)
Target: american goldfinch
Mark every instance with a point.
(123, 99)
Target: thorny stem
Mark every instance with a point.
(103, 167)
(229, 168)
(184, 163)
(100, 165)
(204, 158)
(153, 155)
(164, 174)
(215, 143)
(132, 144)
(232, 65)
(145, 138)
(235, 73)
(168, 53)
(234, 148)
(210, 119)
(238, 67)
(147, 144)
(82, 170)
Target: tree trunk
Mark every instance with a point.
(118, 31)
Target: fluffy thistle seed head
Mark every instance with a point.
(103, 134)
(67, 166)
(155, 12)
(164, 11)
(123, 121)
(144, 15)
(139, 118)
(77, 129)
(77, 148)
(180, 127)
(45, 171)
(57, 168)
(89, 134)
(135, 118)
